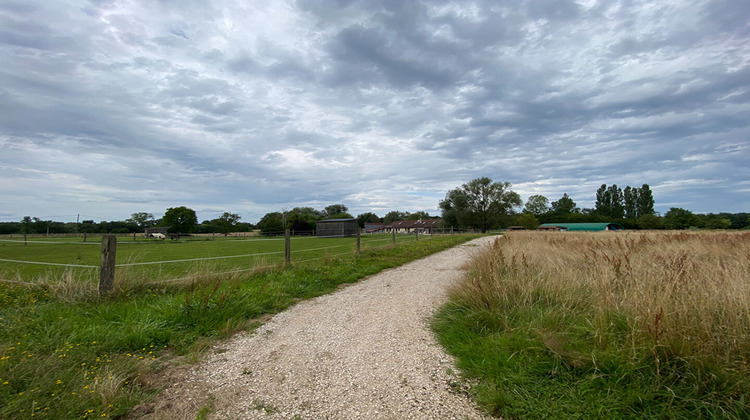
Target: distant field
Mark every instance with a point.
(169, 259)
(606, 325)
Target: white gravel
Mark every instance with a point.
(364, 352)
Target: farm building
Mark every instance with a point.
(337, 227)
(585, 227)
(374, 227)
(428, 226)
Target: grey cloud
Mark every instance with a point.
(381, 102)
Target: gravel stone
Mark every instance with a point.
(363, 352)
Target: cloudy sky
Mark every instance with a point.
(112, 107)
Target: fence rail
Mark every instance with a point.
(109, 249)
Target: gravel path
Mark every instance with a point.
(364, 352)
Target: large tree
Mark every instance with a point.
(528, 221)
(677, 218)
(537, 205)
(180, 219)
(419, 215)
(645, 203)
(395, 216)
(334, 210)
(638, 201)
(271, 223)
(142, 219)
(227, 222)
(610, 202)
(368, 217)
(631, 202)
(480, 203)
(302, 218)
(565, 205)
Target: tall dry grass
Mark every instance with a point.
(685, 295)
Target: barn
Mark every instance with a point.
(582, 227)
(338, 228)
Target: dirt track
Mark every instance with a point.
(364, 352)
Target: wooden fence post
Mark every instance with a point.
(416, 235)
(358, 234)
(287, 247)
(84, 236)
(394, 236)
(107, 276)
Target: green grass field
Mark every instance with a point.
(66, 352)
(168, 259)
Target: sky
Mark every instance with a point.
(112, 107)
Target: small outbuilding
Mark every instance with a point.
(336, 228)
(582, 227)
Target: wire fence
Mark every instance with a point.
(253, 258)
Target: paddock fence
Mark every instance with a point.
(269, 255)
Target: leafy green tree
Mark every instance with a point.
(142, 219)
(618, 202)
(88, 226)
(610, 202)
(368, 217)
(226, 222)
(565, 205)
(677, 218)
(26, 225)
(480, 203)
(630, 195)
(645, 201)
(537, 205)
(603, 201)
(334, 210)
(271, 223)
(715, 221)
(303, 218)
(528, 221)
(180, 219)
(395, 216)
(418, 215)
(650, 221)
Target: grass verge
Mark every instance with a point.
(66, 353)
(597, 325)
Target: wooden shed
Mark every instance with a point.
(336, 228)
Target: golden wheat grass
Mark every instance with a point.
(687, 293)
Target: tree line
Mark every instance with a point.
(484, 204)
(304, 219)
(481, 204)
(184, 220)
(179, 219)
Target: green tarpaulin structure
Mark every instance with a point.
(589, 227)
